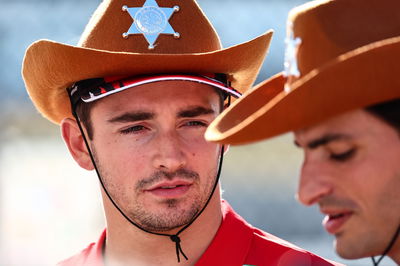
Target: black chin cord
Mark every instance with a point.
(392, 241)
(174, 238)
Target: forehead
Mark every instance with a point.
(162, 94)
(354, 124)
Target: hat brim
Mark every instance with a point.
(50, 67)
(360, 78)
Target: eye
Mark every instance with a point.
(133, 130)
(343, 156)
(195, 124)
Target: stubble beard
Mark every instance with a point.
(171, 218)
(174, 213)
(370, 240)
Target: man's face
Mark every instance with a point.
(149, 147)
(352, 171)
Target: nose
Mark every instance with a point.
(169, 152)
(314, 184)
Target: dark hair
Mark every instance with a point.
(387, 111)
(83, 111)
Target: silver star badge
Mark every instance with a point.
(292, 45)
(151, 21)
(291, 67)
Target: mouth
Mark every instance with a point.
(169, 190)
(334, 222)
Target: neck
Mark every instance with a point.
(394, 252)
(128, 245)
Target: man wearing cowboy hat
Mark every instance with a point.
(340, 94)
(133, 100)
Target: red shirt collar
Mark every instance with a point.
(229, 246)
(232, 241)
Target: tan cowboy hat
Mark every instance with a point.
(341, 55)
(133, 38)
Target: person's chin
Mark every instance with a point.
(349, 246)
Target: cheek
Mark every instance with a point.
(389, 194)
(202, 156)
(121, 160)
(375, 182)
(204, 148)
(382, 204)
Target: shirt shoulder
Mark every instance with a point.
(267, 249)
(239, 243)
(90, 256)
(78, 259)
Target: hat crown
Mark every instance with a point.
(323, 30)
(50, 67)
(110, 21)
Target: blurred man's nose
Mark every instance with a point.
(314, 184)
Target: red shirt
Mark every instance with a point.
(236, 243)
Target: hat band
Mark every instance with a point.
(93, 89)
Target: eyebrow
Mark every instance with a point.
(195, 111)
(324, 140)
(132, 117)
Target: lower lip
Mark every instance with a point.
(170, 192)
(332, 226)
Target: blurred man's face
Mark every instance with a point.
(149, 147)
(351, 170)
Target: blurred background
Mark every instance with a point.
(51, 209)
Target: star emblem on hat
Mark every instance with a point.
(151, 21)
(291, 67)
(292, 45)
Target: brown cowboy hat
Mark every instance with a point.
(341, 55)
(133, 38)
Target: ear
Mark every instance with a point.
(76, 145)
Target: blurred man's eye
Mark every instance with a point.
(343, 156)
